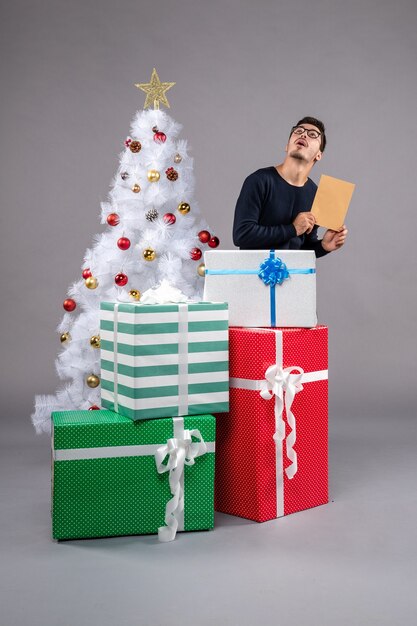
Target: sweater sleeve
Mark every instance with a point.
(312, 243)
(248, 234)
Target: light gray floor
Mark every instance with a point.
(352, 562)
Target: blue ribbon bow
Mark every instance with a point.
(273, 271)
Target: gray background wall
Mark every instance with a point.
(245, 72)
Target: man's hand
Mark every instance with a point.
(304, 223)
(334, 239)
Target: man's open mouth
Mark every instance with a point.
(301, 142)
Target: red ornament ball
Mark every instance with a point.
(123, 243)
(120, 279)
(86, 273)
(196, 254)
(69, 304)
(214, 242)
(169, 218)
(113, 219)
(94, 407)
(160, 137)
(204, 236)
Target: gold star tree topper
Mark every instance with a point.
(155, 91)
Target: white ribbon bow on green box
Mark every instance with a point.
(181, 450)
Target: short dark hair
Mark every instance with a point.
(315, 122)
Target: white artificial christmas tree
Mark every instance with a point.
(154, 233)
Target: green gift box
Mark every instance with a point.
(112, 476)
(164, 360)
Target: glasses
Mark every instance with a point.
(311, 132)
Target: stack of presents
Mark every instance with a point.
(216, 405)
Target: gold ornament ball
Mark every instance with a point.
(95, 341)
(201, 270)
(65, 337)
(153, 176)
(93, 381)
(91, 282)
(136, 188)
(135, 294)
(149, 254)
(177, 158)
(184, 208)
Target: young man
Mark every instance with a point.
(273, 209)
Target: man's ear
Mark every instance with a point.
(318, 156)
(286, 148)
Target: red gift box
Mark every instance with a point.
(272, 446)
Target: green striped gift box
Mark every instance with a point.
(105, 480)
(164, 360)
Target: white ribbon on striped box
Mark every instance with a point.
(282, 384)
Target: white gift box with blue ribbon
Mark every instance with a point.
(263, 287)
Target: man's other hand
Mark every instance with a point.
(334, 239)
(304, 223)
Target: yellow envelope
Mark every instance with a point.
(332, 201)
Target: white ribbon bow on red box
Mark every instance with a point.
(280, 382)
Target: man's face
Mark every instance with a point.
(302, 147)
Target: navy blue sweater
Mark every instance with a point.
(265, 210)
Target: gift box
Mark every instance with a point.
(112, 476)
(272, 446)
(263, 288)
(164, 360)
